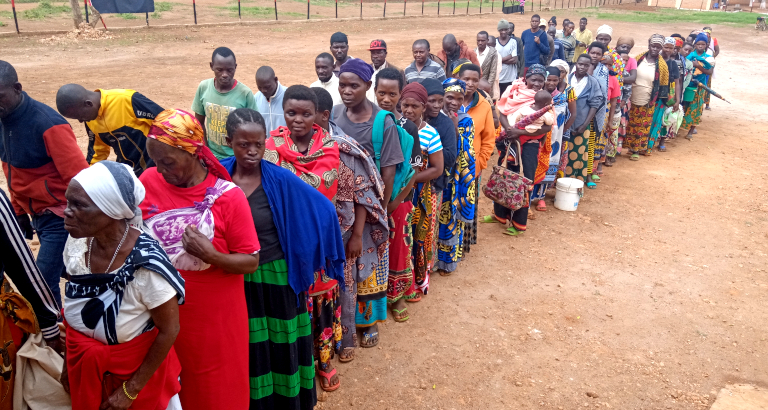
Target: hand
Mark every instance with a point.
(354, 247)
(117, 401)
(676, 107)
(25, 225)
(580, 129)
(536, 40)
(196, 244)
(455, 118)
(64, 379)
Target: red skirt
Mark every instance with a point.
(88, 360)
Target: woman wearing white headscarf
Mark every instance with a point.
(121, 300)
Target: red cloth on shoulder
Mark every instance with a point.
(88, 360)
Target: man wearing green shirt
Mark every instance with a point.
(218, 96)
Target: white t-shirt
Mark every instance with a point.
(332, 86)
(429, 139)
(145, 292)
(508, 71)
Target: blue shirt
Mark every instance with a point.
(532, 50)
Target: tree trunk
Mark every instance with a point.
(77, 15)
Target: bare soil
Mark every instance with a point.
(651, 296)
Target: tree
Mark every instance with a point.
(77, 14)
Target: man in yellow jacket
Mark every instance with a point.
(114, 119)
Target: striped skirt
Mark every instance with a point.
(282, 373)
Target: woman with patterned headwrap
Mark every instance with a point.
(703, 64)
(624, 47)
(195, 212)
(651, 85)
(533, 154)
(460, 195)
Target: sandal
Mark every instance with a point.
(397, 315)
(596, 177)
(541, 206)
(634, 157)
(489, 219)
(416, 298)
(327, 377)
(513, 232)
(444, 273)
(369, 340)
(349, 357)
(591, 185)
(662, 148)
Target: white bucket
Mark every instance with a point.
(568, 193)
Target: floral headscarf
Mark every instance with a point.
(180, 129)
(454, 85)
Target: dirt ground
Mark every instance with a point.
(652, 296)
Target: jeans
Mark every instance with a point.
(50, 230)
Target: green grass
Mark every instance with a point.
(680, 16)
(2, 24)
(156, 15)
(253, 11)
(127, 16)
(45, 9)
(162, 6)
(18, 1)
(6, 14)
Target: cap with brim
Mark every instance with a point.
(378, 45)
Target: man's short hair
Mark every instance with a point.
(8, 76)
(223, 52)
(469, 67)
(390, 73)
(484, 33)
(326, 56)
(324, 99)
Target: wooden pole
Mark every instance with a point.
(385, 8)
(239, 12)
(337, 8)
(15, 21)
(146, 15)
(468, 6)
(86, 11)
(194, 10)
(438, 7)
(361, 9)
(275, 10)
(307, 9)
(454, 6)
(405, 2)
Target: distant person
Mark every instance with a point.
(454, 50)
(378, 49)
(422, 66)
(269, 99)
(568, 41)
(583, 38)
(218, 96)
(339, 49)
(507, 48)
(547, 58)
(116, 119)
(326, 79)
(40, 156)
(535, 42)
(557, 52)
(495, 86)
(488, 58)
(714, 50)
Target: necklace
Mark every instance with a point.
(119, 245)
(421, 123)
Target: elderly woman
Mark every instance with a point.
(121, 300)
(703, 65)
(413, 101)
(651, 86)
(195, 211)
(521, 94)
(589, 100)
(281, 204)
(560, 103)
(460, 194)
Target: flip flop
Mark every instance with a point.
(695, 131)
(662, 148)
(591, 185)
(347, 359)
(634, 157)
(541, 206)
(400, 313)
(416, 298)
(367, 337)
(327, 377)
(596, 177)
(489, 219)
(443, 273)
(513, 232)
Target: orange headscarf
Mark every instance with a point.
(181, 130)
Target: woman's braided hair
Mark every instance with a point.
(242, 116)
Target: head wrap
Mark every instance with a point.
(701, 37)
(605, 29)
(553, 71)
(114, 188)
(657, 39)
(339, 37)
(432, 86)
(358, 67)
(669, 40)
(181, 130)
(460, 62)
(707, 30)
(679, 42)
(536, 69)
(454, 85)
(625, 40)
(560, 64)
(503, 24)
(416, 91)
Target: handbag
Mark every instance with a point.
(506, 187)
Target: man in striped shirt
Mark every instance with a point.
(422, 66)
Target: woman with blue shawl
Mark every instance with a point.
(299, 235)
(703, 64)
(460, 194)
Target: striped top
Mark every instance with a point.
(429, 139)
(430, 70)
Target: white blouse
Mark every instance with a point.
(145, 292)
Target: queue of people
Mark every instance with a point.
(239, 247)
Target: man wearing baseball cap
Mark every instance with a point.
(378, 49)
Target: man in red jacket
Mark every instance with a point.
(40, 155)
(454, 50)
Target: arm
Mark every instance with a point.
(196, 244)
(166, 319)
(97, 149)
(717, 51)
(144, 108)
(487, 143)
(492, 75)
(435, 168)
(543, 43)
(495, 115)
(61, 146)
(678, 92)
(201, 120)
(590, 115)
(355, 243)
(388, 175)
(611, 112)
(392, 206)
(630, 79)
(572, 109)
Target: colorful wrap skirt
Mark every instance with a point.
(639, 128)
(282, 372)
(325, 315)
(372, 295)
(581, 154)
(656, 125)
(424, 222)
(400, 281)
(695, 109)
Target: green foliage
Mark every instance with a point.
(127, 16)
(2, 24)
(161, 6)
(680, 16)
(6, 14)
(45, 9)
(156, 15)
(18, 1)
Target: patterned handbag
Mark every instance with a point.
(506, 187)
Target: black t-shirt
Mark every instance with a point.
(416, 154)
(444, 126)
(271, 250)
